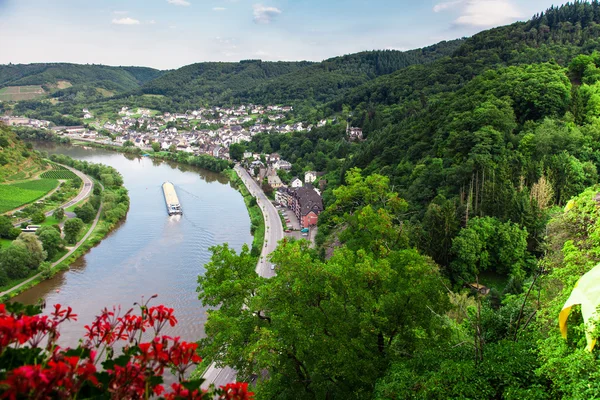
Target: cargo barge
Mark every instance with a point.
(173, 206)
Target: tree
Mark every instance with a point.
(324, 329)
(128, 143)
(34, 247)
(486, 243)
(236, 151)
(51, 240)
(14, 261)
(172, 148)
(155, 147)
(86, 213)
(5, 227)
(108, 180)
(71, 229)
(59, 214)
(38, 217)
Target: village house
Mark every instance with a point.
(310, 176)
(274, 181)
(282, 164)
(354, 133)
(306, 204)
(296, 182)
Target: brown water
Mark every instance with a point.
(150, 252)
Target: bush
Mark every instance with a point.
(72, 228)
(59, 214)
(86, 213)
(38, 217)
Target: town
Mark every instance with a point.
(210, 131)
(202, 131)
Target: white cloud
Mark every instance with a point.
(264, 14)
(446, 5)
(152, 22)
(219, 9)
(179, 2)
(481, 13)
(125, 21)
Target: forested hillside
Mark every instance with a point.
(255, 81)
(17, 162)
(47, 74)
(462, 181)
(64, 81)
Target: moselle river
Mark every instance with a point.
(149, 253)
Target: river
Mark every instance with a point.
(149, 253)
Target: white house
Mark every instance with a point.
(310, 177)
(296, 183)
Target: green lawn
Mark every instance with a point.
(17, 194)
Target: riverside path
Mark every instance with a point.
(273, 234)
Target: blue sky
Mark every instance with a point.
(172, 33)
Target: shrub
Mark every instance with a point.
(38, 217)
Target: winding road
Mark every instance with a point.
(273, 234)
(86, 190)
(84, 193)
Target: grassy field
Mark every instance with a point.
(18, 194)
(18, 93)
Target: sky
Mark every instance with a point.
(168, 34)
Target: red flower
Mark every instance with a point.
(159, 316)
(236, 391)
(180, 392)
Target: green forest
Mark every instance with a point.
(462, 181)
(304, 84)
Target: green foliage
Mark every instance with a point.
(51, 240)
(488, 244)
(305, 324)
(38, 217)
(86, 213)
(71, 229)
(59, 214)
(236, 151)
(82, 77)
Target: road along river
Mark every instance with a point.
(150, 252)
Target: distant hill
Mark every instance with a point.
(258, 81)
(216, 81)
(65, 81)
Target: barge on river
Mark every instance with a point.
(173, 206)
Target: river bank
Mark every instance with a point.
(149, 252)
(203, 161)
(256, 217)
(255, 213)
(108, 215)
